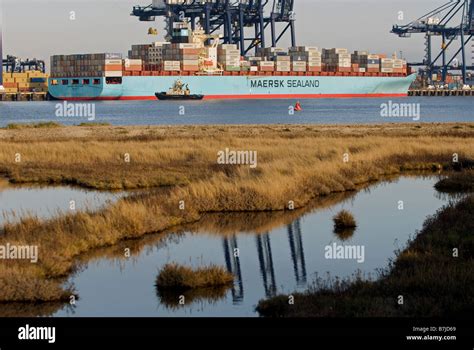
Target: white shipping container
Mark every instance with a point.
(189, 46)
(228, 47)
(190, 62)
(229, 52)
(113, 73)
(159, 43)
(113, 62)
(299, 69)
(132, 62)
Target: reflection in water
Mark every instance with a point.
(22, 201)
(173, 299)
(272, 241)
(233, 266)
(345, 234)
(295, 238)
(265, 259)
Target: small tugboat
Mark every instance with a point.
(178, 92)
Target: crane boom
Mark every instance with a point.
(450, 21)
(233, 19)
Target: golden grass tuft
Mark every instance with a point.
(344, 220)
(174, 276)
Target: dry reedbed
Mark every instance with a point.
(295, 165)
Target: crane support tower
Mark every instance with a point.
(452, 21)
(241, 22)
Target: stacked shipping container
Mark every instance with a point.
(336, 60)
(88, 65)
(30, 81)
(228, 56)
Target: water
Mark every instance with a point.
(279, 252)
(316, 111)
(46, 202)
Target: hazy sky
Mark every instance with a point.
(40, 28)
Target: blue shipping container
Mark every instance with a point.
(38, 80)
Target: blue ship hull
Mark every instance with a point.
(233, 87)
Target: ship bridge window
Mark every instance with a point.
(75, 81)
(54, 82)
(64, 82)
(113, 80)
(86, 81)
(96, 81)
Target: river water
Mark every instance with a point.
(316, 111)
(46, 201)
(277, 253)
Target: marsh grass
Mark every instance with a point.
(297, 165)
(344, 220)
(457, 182)
(42, 125)
(92, 124)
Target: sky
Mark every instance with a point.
(41, 28)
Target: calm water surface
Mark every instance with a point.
(316, 111)
(46, 202)
(279, 252)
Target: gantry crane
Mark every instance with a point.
(451, 21)
(13, 64)
(234, 19)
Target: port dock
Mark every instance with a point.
(25, 96)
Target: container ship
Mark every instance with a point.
(218, 71)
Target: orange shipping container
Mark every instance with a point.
(10, 85)
(343, 69)
(191, 68)
(113, 67)
(133, 68)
